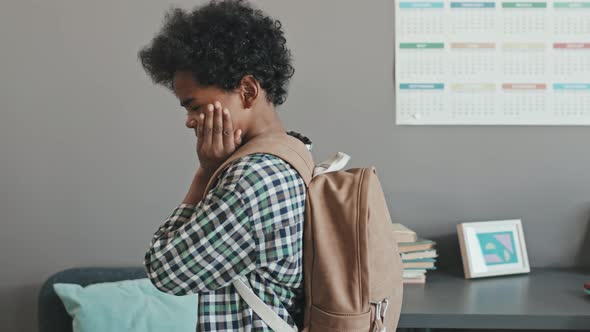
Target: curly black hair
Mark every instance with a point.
(221, 42)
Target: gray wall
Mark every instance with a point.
(94, 156)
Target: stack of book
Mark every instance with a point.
(418, 254)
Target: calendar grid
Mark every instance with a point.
(492, 62)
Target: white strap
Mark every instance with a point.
(261, 309)
(334, 163)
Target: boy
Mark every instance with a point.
(228, 65)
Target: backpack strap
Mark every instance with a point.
(280, 144)
(270, 317)
(297, 154)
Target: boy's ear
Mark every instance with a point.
(250, 88)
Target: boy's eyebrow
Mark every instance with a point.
(187, 101)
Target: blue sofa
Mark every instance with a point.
(52, 315)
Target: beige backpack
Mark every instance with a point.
(352, 267)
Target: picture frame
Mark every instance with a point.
(492, 248)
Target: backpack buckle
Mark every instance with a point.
(380, 314)
(377, 309)
(385, 308)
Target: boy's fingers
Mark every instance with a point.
(199, 129)
(208, 129)
(228, 129)
(238, 136)
(218, 127)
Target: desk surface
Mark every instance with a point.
(542, 299)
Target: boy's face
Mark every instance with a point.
(196, 98)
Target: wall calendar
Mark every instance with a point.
(492, 62)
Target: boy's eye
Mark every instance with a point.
(196, 108)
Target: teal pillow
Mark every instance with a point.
(127, 305)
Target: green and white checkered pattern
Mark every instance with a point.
(250, 223)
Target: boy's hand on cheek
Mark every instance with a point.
(216, 137)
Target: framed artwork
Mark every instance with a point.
(492, 248)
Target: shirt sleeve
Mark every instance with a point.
(206, 246)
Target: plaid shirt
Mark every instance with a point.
(249, 224)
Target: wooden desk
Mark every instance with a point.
(543, 299)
